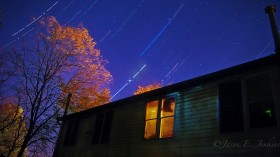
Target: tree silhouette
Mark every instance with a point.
(57, 61)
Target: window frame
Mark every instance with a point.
(71, 134)
(221, 108)
(246, 103)
(101, 137)
(159, 118)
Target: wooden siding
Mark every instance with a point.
(196, 129)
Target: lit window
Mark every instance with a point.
(102, 128)
(71, 132)
(167, 118)
(163, 116)
(151, 119)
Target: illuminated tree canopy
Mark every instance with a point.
(147, 88)
(85, 75)
(57, 61)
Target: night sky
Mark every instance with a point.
(149, 41)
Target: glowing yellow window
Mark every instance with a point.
(160, 122)
(151, 119)
(167, 118)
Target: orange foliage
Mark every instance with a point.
(87, 78)
(12, 129)
(147, 88)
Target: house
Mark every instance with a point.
(232, 112)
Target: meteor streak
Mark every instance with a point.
(91, 6)
(155, 38)
(127, 19)
(139, 71)
(104, 36)
(35, 19)
(171, 70)
(161, 31)
(73, 17)
(177, 11)
(129, 81)
(266, 46)
(27, 32)
(119, 90)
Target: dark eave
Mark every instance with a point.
(232, 71)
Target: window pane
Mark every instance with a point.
(262, 114)
(260, 99)
(71, 133)
(231, 107)
(97, 128)
(166, 127)
(167, 107)
(68, 133)
(107, 127)
(150, 129)
(151, 110)
(74, 131)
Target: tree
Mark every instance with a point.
(147, 88)
(89, 79)
(12, 129)
(11, 120)
(60, 60)
(6, 72)
(37, 90)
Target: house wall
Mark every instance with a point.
(196, 129)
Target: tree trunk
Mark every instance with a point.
(26, 140)
(23, 147)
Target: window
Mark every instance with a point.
(102, 128)
(159, 114)
(260, 101)
(71, 132)
(231, 107)
(253, 98)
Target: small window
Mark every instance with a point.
(151, 119)
(260, 101)
(161, 118)
(71, 132)
(167, 118)
(102, 128)
(255, 94)
(231, 107)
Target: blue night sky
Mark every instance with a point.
(148, 41)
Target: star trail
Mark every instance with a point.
(161, 31)
(154, 41)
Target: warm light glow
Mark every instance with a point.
(151, 110)
(151, 119)
(165, 118)
(166, 127)
(167, 107)
(150, 129)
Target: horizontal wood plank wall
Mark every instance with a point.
(245, 143)
(196, 130)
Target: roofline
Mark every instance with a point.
(211, 77)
